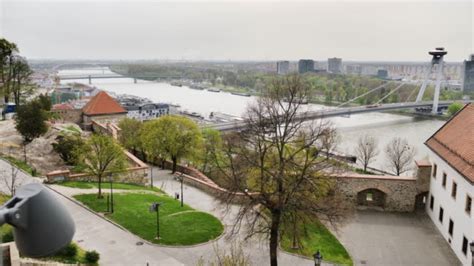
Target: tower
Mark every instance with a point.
(438, 63)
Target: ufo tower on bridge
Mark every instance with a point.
(437, 65)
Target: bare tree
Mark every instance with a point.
(366, 150)
(400, 155)
(11, 180)
(329, 140)
(235, 257)
(275, 165)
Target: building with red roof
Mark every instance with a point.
(102, 107)
(452, 182)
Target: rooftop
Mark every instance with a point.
(454, 142)
(102, 104)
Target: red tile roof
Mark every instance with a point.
(102, 104)
(62, 106)
(454, 142)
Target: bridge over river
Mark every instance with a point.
(312, 115)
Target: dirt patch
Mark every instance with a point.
(39, 152)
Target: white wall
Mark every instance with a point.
(453, 208)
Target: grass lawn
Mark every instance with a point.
(178, 225)
(106, 185)
(320, 238)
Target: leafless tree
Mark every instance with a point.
(366, 150)
(234, 257)
(11, 180)
(400, 155)
(329, 140)
(274, 163)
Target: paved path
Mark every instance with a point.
(381, 238)
(256, 249)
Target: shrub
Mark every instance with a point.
(69, 251)
(7, 236)
(92, 256)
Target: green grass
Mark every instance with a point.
(319, 238)
(178, 225)
(106, 185)
(22, 165)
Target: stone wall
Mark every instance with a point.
(195, 178)
(73, 116)
(399, 193)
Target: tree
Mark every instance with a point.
(20, 79)
(329, 140)
(11, 180)
(66, 145)
(45, 102)
(100, 156)
(129, 132)
(400, 155)
(366, 150)
(31, 122)
(7, 53)
(212, 142)
(454, 108)
(171, 136)
(275, 164)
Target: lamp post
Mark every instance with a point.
(151, 176)
(471, 246)
(155, 206)
(318, 258)
(111, 194)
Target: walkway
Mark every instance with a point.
(382, 238)
(256, 249)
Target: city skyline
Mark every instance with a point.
(238, 31)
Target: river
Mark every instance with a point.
(383, 126)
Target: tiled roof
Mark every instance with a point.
(62, 106)
(102, 104)
(454, 142)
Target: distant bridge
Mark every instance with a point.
(112, 76)
(312, 115)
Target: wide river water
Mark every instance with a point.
(383, 126)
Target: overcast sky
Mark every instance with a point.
(239, 30)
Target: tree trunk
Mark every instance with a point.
(365, 168)
(175, 162)
(274, 237)
(99, 196)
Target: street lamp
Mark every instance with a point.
(155, 207)
(111, 194)
(471, 246)
(318, 258)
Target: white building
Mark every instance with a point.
(452, 182)
(148, 111)
(283, 67)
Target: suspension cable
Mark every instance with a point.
(362, 95)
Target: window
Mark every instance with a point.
(468, 204)
(451, 227)
(444, 180)
(454, 190)
(369, 197)
(441, 214)
(435, 168)
(431, 202)
(464, 245)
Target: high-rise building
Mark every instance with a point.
(283, 67)
(468, 76)
(335, 65)
(382, 74)
(305, 65)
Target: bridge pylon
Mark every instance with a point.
(437, 63)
